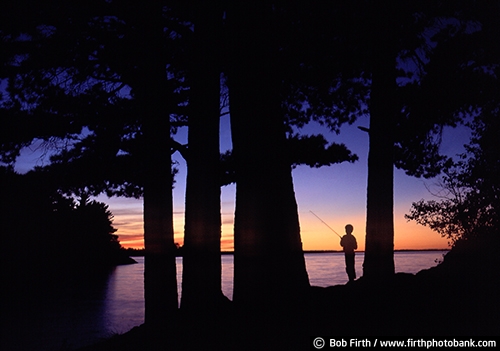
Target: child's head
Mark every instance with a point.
(349, 228)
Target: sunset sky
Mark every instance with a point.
(337, 194)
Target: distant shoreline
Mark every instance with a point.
(399, 250)
(140, 252)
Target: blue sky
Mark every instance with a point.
(337, 194)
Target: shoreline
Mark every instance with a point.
(362, 251)
(458, 297)
(140, 252)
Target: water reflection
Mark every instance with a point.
(124, 302)
(55, 318)
(84, 312)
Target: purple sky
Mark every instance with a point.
(337, 194)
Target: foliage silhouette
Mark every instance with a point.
(406, 64)
(69, 86)
(468, 192)
(53, 238)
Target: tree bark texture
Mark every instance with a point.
(201, 281)
(379, 248)
(269, 267)
(160, 277)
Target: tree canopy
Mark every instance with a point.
(467, 195)
(47, 235)
(105, 85)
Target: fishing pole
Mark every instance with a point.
(326, 224)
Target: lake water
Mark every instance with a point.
(85, 315)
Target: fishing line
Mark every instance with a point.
(326, 224)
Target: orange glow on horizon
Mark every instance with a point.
(315, 235)
(407, 235)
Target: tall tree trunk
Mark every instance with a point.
(160, 278)
(201, 281)
(379, 248)
(269, 267)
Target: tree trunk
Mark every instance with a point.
(379, 249)
(201, 281)
(269, 267)
(160, 278)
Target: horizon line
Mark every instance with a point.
(322, 251)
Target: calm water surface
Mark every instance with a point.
(81, 317)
